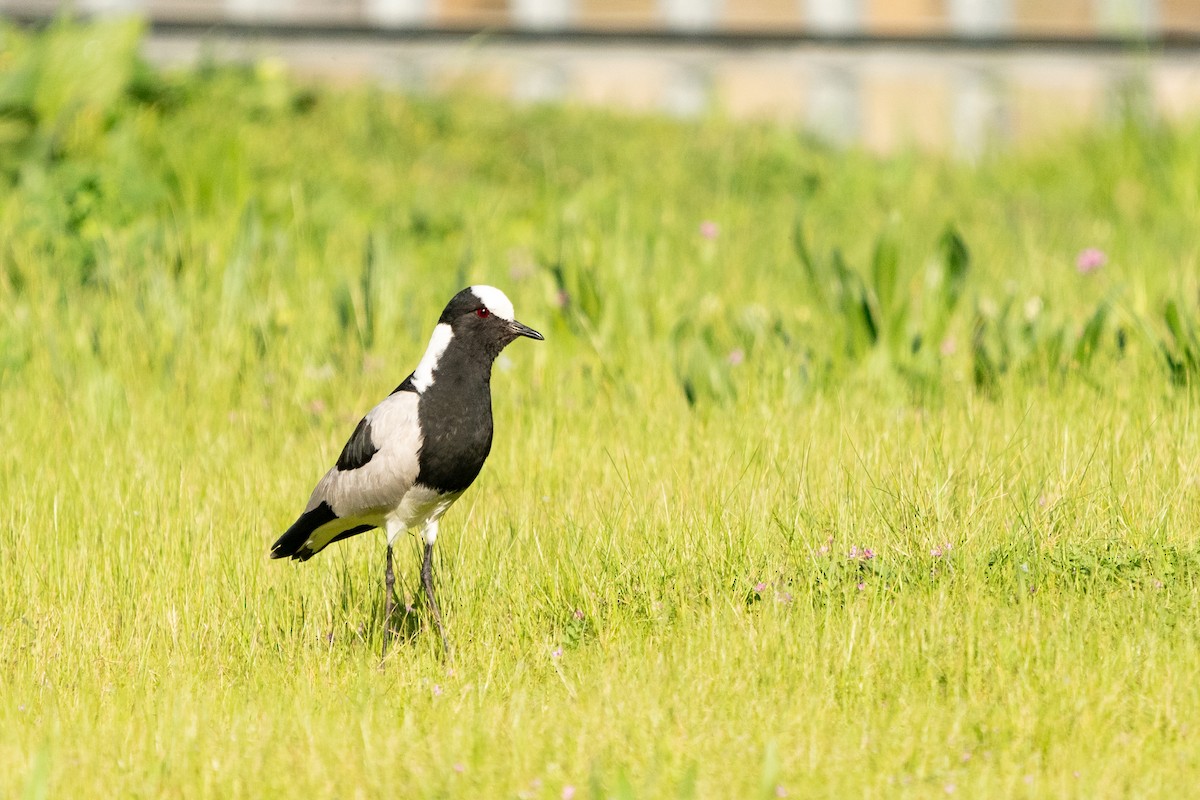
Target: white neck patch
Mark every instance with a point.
(495, 300)
(423, 375)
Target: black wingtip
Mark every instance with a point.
(303, 554)
(292, 544)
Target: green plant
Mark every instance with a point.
(650, 597)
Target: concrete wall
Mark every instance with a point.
(880, 17)
(962, 98)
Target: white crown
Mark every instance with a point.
(495, 300)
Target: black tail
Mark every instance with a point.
(294, 543)
(291, 544)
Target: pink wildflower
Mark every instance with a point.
(1089, 260)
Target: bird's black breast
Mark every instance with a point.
(455, 414)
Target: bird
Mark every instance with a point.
(415, 453)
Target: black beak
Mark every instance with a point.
(524, 330)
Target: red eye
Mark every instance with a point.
(482, 313)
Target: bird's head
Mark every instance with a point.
(483, 315)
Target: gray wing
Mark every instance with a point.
(378, 465)
(374, 473)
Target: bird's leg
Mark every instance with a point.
(427, 580)
(389, 600)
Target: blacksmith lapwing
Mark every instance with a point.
(416, 452)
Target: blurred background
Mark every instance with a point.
(958, 76)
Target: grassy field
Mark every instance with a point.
(835, 476)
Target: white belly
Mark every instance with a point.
(421, 508)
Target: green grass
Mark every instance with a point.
(206, 278)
